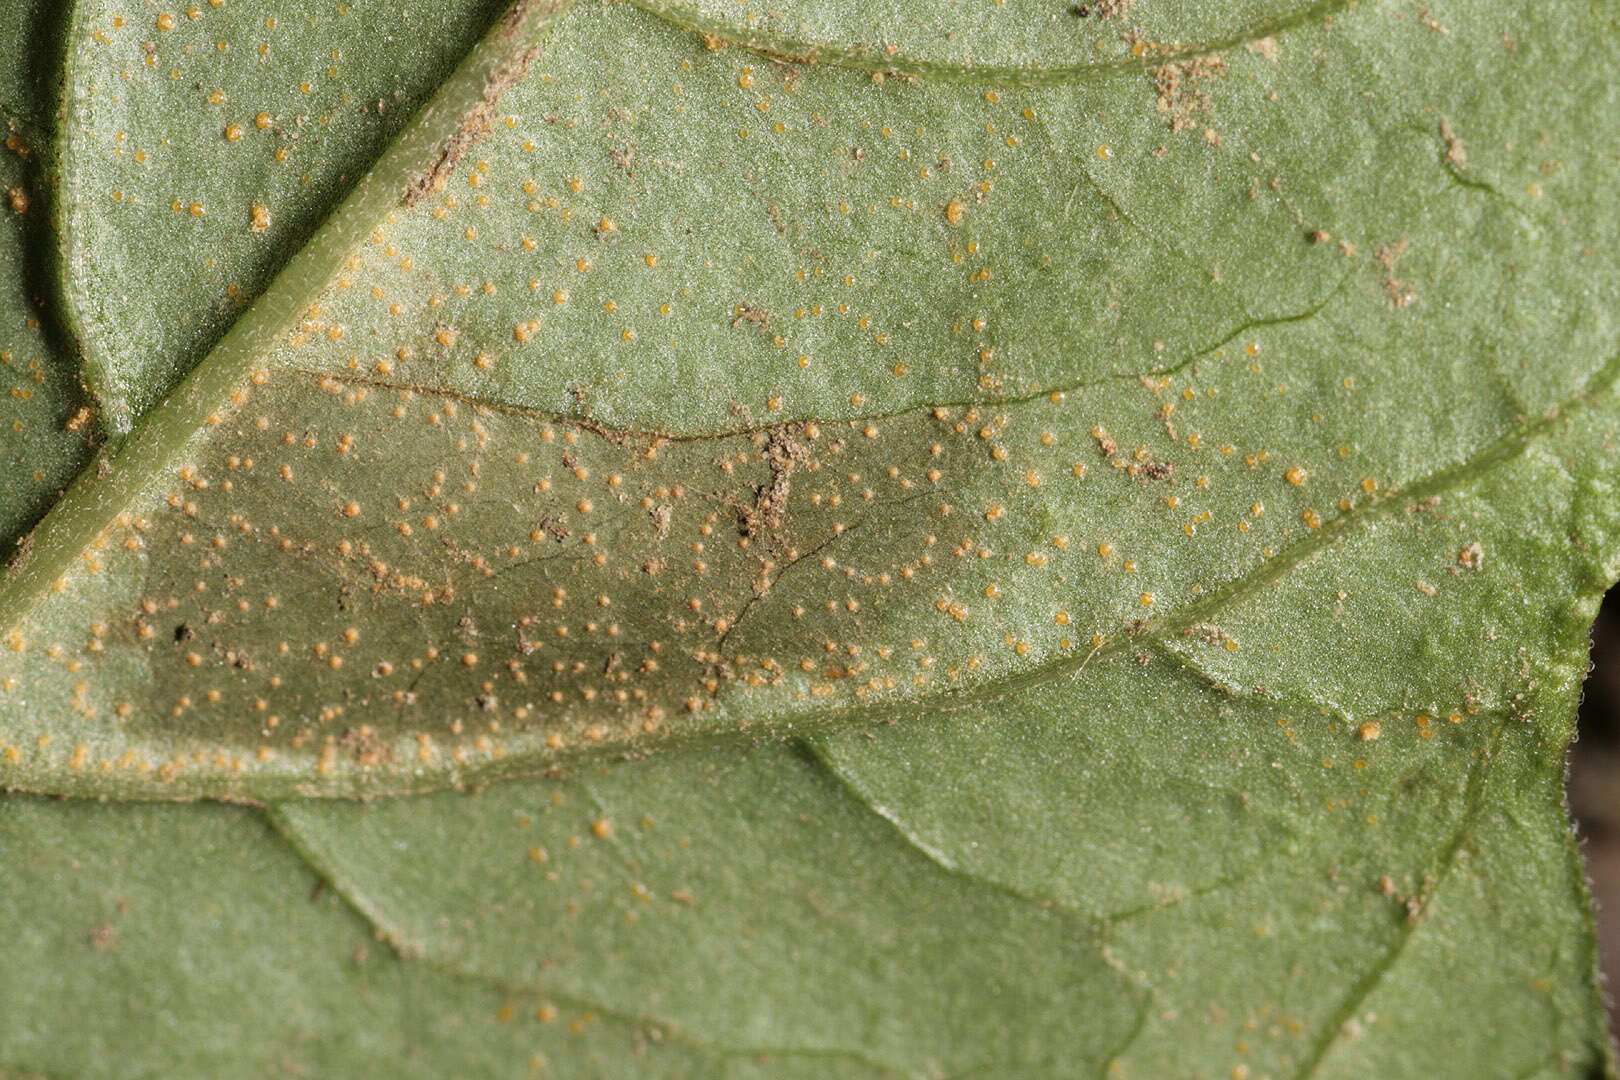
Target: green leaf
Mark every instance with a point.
(1020, 43)
(186, 941)
(45, 419)
(736, 897)
(201, 144)
(967, 387)
(1453, 814)
(1026, 539)
(756, 898)
(1284, 887)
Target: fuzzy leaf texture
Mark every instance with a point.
(900, 540)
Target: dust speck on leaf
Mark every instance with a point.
(1182, 86)
(1265, 47)
(1456, 149)
(1395, 290)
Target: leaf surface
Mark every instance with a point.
(964, 388)
(46, 420)
(202, 144)
(1451, 812)
(737, 896)
(1025, 540)
(1024, 43)
(1275, 889)
(226, 957)
(1243, 859)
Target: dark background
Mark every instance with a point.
(1594, 787)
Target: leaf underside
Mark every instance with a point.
(1047, 540)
